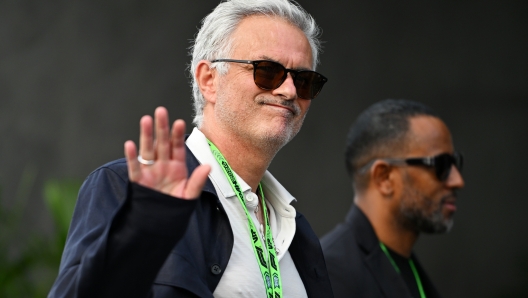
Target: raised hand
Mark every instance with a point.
(168, 171)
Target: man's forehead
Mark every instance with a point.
(429, 135)
(261, 37)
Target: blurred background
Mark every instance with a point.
(76, 76)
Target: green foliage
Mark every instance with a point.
(29, 263)
(60, 198)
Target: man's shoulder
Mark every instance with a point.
(343, 235)
(345, 257)
(116, 167)
(340, 232)
(356, 230)
(340, 244)
(114, 164)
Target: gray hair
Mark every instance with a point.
(213, 40)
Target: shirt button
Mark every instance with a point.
(215, 269)
(250, 197)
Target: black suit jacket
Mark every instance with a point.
(126, 240)
(358, 267)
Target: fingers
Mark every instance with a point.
(178, 140)
(196, 182)
(168, 173)
(134, 170)
(161, 120)
(146, 147)
(159, 148)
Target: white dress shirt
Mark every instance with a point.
(242, 277)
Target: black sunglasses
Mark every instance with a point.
(269, 75)
(441, 163)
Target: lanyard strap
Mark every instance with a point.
(269, 267)
(411, 264)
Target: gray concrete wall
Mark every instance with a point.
(76, 76)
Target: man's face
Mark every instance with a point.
(426, 203)
(264, 117)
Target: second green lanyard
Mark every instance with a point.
(411, 264)
(269, 266)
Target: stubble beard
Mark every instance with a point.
(268, 140)
(422, 214)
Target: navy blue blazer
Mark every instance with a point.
(126, 240)
(358, 267)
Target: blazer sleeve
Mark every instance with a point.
(120, 235)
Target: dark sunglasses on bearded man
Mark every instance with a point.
(441, 163)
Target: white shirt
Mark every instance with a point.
(242, 277)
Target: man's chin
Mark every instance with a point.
(278, 140)
(438, 227)
(281, 134)
(433, 224)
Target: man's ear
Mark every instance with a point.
(205, 77)
(380, 176)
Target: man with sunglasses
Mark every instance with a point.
(200, 216)
(405, 173)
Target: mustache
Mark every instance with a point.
(296, 110)
(452, 197)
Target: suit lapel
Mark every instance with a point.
(389, 281)
(307, 255)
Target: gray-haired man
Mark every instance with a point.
(139, 230)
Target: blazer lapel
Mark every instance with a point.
(307, 255)
(390, 282)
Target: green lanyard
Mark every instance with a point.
(269, 267)
(413, 268)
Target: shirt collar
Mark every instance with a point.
(274, 191)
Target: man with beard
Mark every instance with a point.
(200, 216)
(404, 172)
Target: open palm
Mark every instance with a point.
(168, 173)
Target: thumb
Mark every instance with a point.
(196, 182)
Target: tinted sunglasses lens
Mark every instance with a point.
(443, 165)
(444, 162)
(269, 75)
(309, 84)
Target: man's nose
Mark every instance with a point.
(287, 89)
(455, 180)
